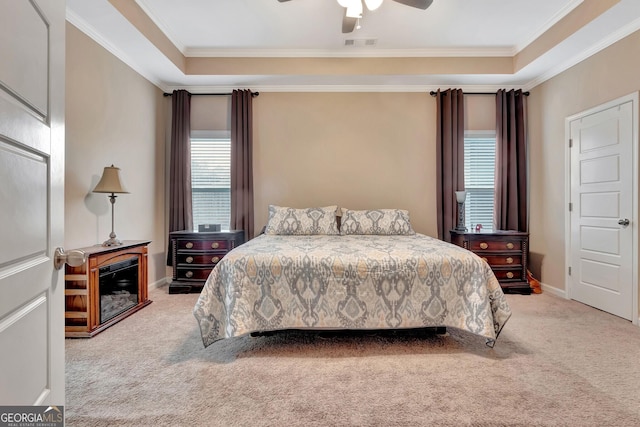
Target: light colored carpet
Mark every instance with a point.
(557, 363)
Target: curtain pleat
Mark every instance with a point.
(449, 158)
(180, 204)
(242, 162)
(511, 195)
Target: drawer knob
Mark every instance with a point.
(509, 245)
(215, 259)
(215, 245)
(509, 275)
(189, 259)
(189, 274)
(189, 245)
(509, 260)
(483, 245)
(485, 260)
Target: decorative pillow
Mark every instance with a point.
(291, 221)
(376, 221)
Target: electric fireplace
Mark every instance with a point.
(118, 287)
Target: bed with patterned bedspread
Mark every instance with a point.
(277, 282)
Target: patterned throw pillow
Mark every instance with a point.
(377, 221)
(291, 221)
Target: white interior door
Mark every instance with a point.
(602, 217)
(31, 201)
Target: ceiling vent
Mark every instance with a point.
(361, 42)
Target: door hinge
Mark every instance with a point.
(570, 207)
(569, 271)
(570, 142)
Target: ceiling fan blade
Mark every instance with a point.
(282, 1)
(420, 4)
(348, 24)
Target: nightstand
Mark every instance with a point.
(506, 252)
(196, 254)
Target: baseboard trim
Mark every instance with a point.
(553, 290)
(160, 283)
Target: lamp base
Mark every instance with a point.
(112, 242)
(460, 226)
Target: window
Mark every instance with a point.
(479, 175)
(211, 179)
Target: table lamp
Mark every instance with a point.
(110, 183)
(460, 198)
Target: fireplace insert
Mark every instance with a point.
(118, 283)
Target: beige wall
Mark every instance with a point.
(356, 150)
(113, 116)
(480, 112)
(210, 112)
(610, 74)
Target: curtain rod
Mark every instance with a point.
(433, 93)
(253, 94)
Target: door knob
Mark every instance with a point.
(75, 258)
(623, 222)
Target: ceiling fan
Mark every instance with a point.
(353, 9)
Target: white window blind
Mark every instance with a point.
(479, 175)
(211, 181)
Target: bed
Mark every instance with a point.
(367, 275)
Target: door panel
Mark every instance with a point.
(596, 136)
(604, 205)
(31, 201)
(600, 170)
(27, 321)
(600, 241)
(600, 274)
(602, 193)
(24, 173)
(24, 39)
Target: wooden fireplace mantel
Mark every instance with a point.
(82, 295)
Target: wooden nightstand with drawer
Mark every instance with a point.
(506, 252)
(195, 254)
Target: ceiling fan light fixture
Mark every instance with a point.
(373, 4)
(354, 10)
(346, 3)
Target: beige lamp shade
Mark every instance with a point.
(110, 181)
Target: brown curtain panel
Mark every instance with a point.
(180, 205)
(450, 158)
(242, 162)
(511, 161)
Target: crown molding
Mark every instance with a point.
(347, 52)
(614, 37)
(568, 8)
(161, 25)
(87, 29)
